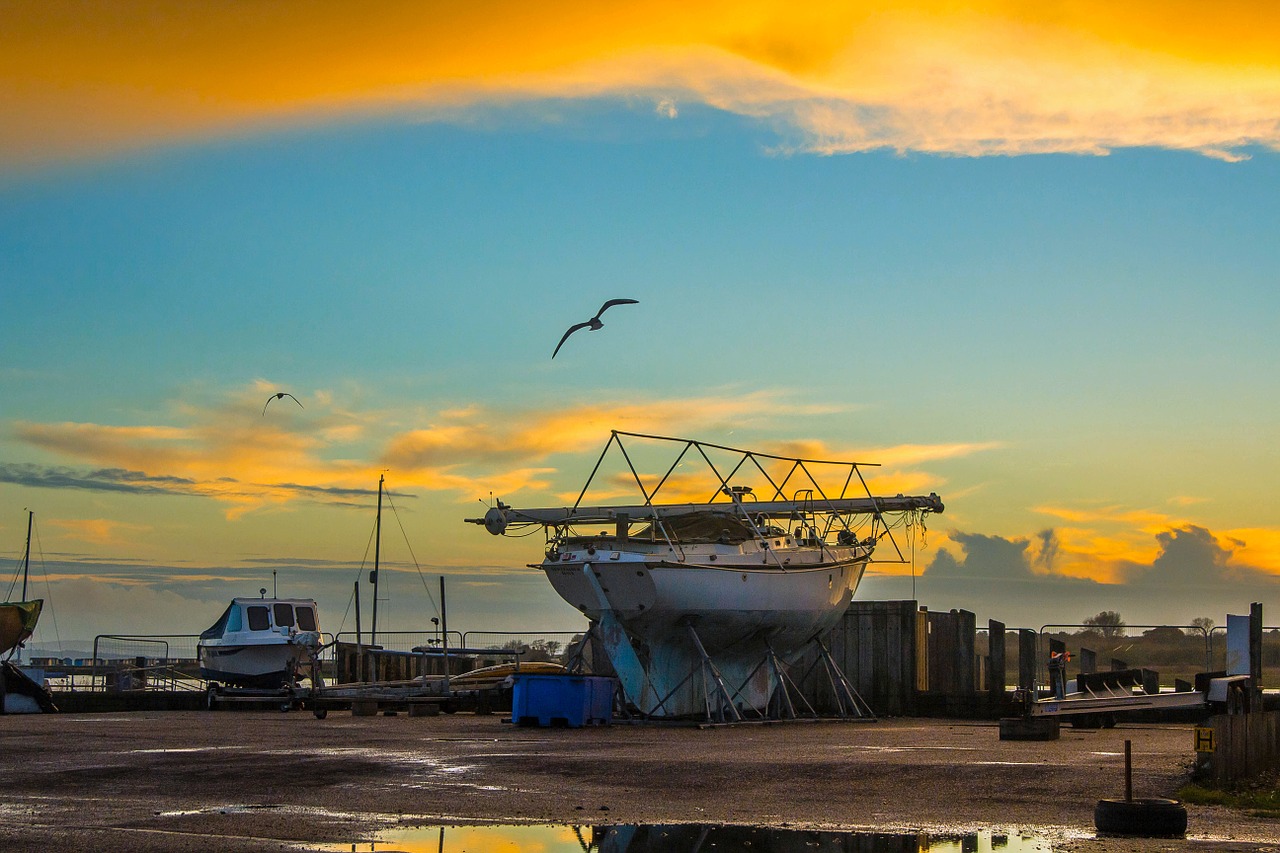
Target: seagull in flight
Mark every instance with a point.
(594, 323)
(280, 396)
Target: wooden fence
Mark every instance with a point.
(906, 661)
(1244, 745)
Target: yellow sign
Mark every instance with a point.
(1204, 739)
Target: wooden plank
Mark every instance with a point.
(1026, 659)
(996, 675)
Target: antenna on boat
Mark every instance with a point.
(274, 594)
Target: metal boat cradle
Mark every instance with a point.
(705, 610)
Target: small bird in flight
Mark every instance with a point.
(278, 396)
(594, 323)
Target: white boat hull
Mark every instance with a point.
(739, 614)
(258, 665)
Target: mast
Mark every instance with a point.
(377, 548)
(497, 518)
(26, 560)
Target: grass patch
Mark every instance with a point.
(1258, 797)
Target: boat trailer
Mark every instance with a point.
(1103, 695)
(426, 695)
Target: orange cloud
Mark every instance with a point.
(1103, 544)
(929, 75)
(475, 434)
(1258, 547)
(232, 451)
(98, 531)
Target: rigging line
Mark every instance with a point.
(350, 598)
(435, 607)
(359, 574)
(17, 573)
(48, 590)
(364, 561)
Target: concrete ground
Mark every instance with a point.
(265, 780)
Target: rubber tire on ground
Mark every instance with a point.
(211, 698)
(320, 713)
(1148, 817)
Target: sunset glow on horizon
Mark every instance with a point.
(1020, 257)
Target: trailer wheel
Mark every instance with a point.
(1151, 817)
(211, 698)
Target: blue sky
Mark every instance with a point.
(1073, 346)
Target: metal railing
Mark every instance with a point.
(170, 662)
(121, 662)
(1167, 654)
(550, 644)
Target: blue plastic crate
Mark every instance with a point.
(561, 700)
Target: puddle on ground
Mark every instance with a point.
(678, 838)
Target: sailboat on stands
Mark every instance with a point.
(18, 693)
(18, 618)
(701, 604)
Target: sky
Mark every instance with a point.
(1020, 257)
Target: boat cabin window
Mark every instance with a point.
(235, 619)
(306, 618)
(259, 617)
(284, 615)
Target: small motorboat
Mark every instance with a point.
(261, 643)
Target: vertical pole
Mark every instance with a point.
(26, 560)
(444, 636)
(377, 549)
(1128, 771)
(359, 637)
(1255, 655)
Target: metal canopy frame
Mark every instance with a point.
(808, 498)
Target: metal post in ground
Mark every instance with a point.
(1128, 771)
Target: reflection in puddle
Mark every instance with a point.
(680, 838)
